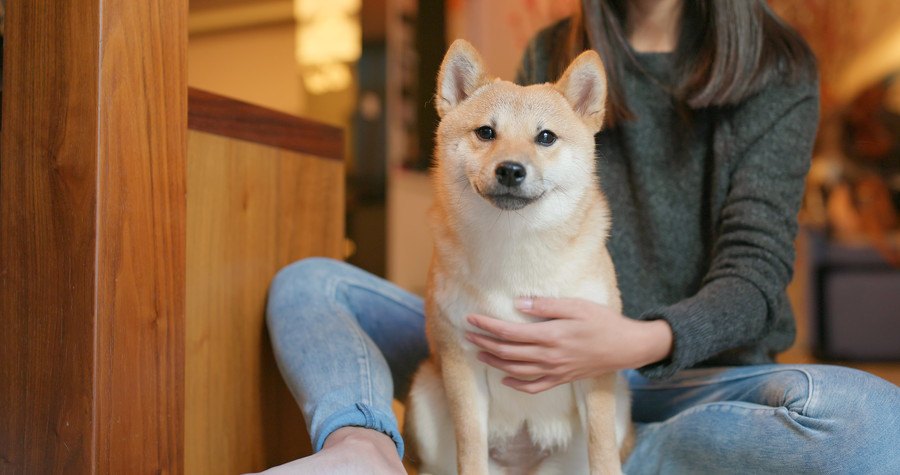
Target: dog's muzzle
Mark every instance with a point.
(508, 190)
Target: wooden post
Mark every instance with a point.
(92, 202)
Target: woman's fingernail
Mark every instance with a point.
(524, 303)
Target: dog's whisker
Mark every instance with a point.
(523, 217)
(555, 187)
(564, 192)
(499, 213)
(459, 195)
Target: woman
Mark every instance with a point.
(713, 106)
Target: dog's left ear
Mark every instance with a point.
(584, 85)
(462, 72)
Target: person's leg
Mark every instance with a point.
(339, 334)
(766, 419)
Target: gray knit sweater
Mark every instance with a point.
(704, 222)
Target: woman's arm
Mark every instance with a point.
(581, 339)
(753, 252)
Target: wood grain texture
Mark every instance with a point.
(224, 116)
(48, 159)
(92, 186)
(252, 209)
(141, 237)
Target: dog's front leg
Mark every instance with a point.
(600, 402)
(468, 410)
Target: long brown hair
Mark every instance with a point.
(727, 51)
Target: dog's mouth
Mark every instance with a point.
(507, 199)
(510, 201)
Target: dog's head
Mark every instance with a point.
(514, 147)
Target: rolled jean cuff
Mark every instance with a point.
(360, 415)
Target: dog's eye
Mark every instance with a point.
(545, 138)
(485, 132)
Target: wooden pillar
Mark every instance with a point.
(92, 202)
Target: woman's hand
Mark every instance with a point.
(581, 339)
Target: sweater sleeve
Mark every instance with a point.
(753, 248)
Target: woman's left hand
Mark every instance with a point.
(581, 339)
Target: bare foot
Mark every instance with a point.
(350, 451)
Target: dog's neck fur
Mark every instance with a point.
(509, 247)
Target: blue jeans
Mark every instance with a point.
(348, 342)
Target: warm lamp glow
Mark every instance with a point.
(308, 9)
(327, 78)
(328, 37)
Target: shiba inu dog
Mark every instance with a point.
(517, 212)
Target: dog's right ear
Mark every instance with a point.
(584, 85)
(462, 72)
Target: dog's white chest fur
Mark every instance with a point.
(550, 417)
(487, 284)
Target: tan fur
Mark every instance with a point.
(486, 256)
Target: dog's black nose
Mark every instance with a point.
(510, 173)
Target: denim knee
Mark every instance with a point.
(859, 412)
(790, 388)
(851, 393)
(304, 282)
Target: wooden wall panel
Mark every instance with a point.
(251, 210)
(92, 186)
(229, 117)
